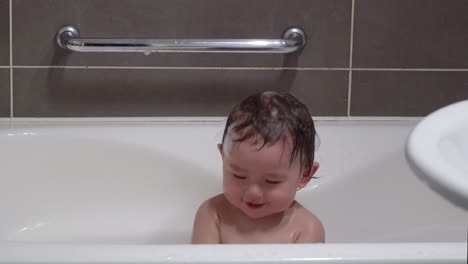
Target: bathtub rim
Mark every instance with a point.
(11, 123)
(30, 252)
(196, 119)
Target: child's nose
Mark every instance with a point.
(253, 193)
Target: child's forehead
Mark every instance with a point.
(273, 155)
(282, 146)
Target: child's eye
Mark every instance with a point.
(273, 182)
(239, 177)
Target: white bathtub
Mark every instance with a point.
(110, 192)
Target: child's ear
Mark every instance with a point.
(308, 174)
(220, 148)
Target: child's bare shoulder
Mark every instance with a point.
(304, 214)
(310, 227)
(213, 205)
(206, 223)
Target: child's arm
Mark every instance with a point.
(205, 226)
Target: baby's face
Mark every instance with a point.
(260, 182)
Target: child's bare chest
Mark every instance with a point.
(241, 234)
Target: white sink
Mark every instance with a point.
(437, 150)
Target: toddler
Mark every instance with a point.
(267, 152)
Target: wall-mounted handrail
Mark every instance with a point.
(294, 39)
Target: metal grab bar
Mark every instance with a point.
(294, 39)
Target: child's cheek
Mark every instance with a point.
(232, 193)
(229, 186)
(282, 196)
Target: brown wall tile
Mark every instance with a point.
(405, 93)
(326, 22)
(131, 92)
(416, 33)
(4, 92)
(4, 32)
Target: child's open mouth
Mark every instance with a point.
(254, 205)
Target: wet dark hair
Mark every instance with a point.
(275, 116)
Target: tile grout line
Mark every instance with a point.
(11, 57)
(234, 68)
(350, 73)
(237, 68)
(179, 68)
(412, 69)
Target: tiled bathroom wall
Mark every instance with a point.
(4, 59)
(362, 57)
